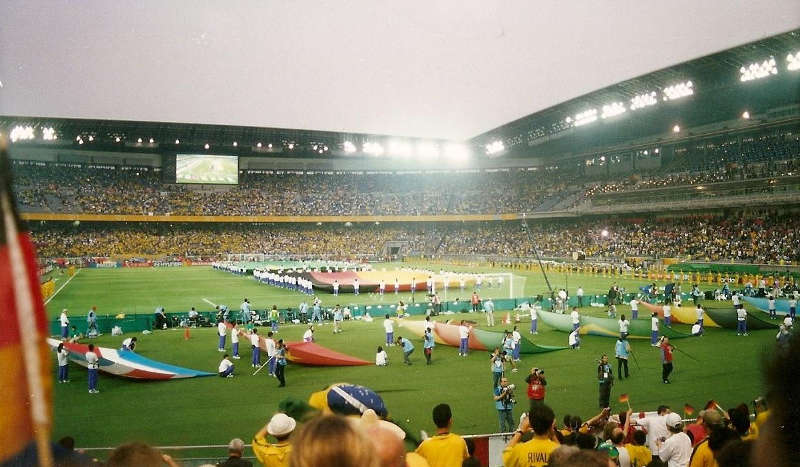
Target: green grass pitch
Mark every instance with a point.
(213, 410)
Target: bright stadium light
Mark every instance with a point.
(793, 61)
(177, 141)
(427, 150)
(373, 149)
(291, 146)
(612, 110)
(676, 91)
(139, 140)
(604, 233)
(269, 146)
(585, 117)
(235, 144)
(757, 70)
(117, 139)
(80, 141)
(456, 152)
(676, 129)
(349, 148)
(21, 133)
(258, 145)
(644, 100)
(49, 134)
(746, 115)
(91, 138)
(399, 149)
(495, 147)
(151, 140)
(207, 146)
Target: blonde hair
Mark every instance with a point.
(331, 440)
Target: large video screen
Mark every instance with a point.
(203, 168)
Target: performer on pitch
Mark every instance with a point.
(666, 358)
(256, 349)
(428, 345)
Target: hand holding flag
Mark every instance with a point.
(623, 399)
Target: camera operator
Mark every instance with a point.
(504, 403)
(536, 387)
(606, 380)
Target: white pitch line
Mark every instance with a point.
(209, 302)
(62, 286)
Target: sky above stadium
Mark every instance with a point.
(441, 69)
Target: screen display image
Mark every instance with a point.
(202, 168)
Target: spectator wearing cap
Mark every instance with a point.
(718, 436)
(280, 427)
(676, 450)
(235, 450)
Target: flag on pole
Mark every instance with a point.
(712, 404)
(25, 381)
(623, 398)
(688, 409)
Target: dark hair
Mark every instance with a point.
(575, 422)
(91, 347)
(380, 349)
(387, 315)
(617, 436)
(269, 334)
(60, 346)
(67, 442)
(542, 418)
(567, 419)
(585, 441)
(740, 421)
(662, 408)
(442, 415)
(639, 437)
(735, 454)
(255, 330)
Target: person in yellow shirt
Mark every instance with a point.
(445, 449)
(281, 427)
(638, 451)
(536, 452)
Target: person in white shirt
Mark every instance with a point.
(579, 294)
(654, 330)
(576, 318)
(634, 308)
(396, 286)
(488, 307)
(222, 330)
(741, 322)
(463, 334)
(429, 284)
(129, 343)
(793, 305)
(787, 321)
(676, 450)
(623, 326)
(63, 363)
(429, 326)
(381, 287)
(735, 300)
(462, 283)
(64, 324)
(771, 307)
(413, 285)
(699, 312)
(308, 336)
(225, 367)
(92, 364)
(254, 341)
(381, 359)
(656, 427)
(574, 339)
(388, 327)
(667, 315)
(355, 286)
(534, 320)
(235, 341)
(272, 348)
(517, 337)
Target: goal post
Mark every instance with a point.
(503, 285)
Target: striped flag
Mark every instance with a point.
(623, 398)
(25, 382)
(688, 409)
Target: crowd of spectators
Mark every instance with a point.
(111, 189)
(757, 237)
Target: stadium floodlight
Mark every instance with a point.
(139, 140)
(604, 233)
(269, 146)
(80, 141)
(91, 138)
(612, 110)
(258, 145)
(373, 149)
(235, 144)
(427, 150)
(495, 147)
(117, 139)
(177, 141)
(349, 147)
(644, 100)
(758, 70)
(49, 133)
(151, 140)
(399, 149)
(793, 61)
(676, 91)
(456, 152)
(21, 133)
(746, 115)
(207, 146)
(656, 150)
(585, 117)
(676, 129)
(291, 146)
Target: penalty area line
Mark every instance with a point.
(209, 302)
(62, 286)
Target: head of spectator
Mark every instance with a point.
(442, 417)
(588, 458)
(737, 453)
(674, 423)
(67, 442)
(559, 456)
(586, 441)
(332, 440)
(639, 438)
(235, 448)
(281, 426)
(663, 409)
(542, 418)
(739, 420)
(135, 454)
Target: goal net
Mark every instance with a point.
(494, 285)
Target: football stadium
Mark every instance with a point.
(376, 234)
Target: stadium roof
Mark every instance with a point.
(448, 69)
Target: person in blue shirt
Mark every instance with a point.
(408, 348)
(91, 322)
(280, 355)
(504, 403)
(428, 345)
(622, 352)
(316, 313)
(498, 360)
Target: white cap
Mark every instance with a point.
(281, 424)
(673, 420)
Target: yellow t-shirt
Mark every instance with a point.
(640, 455)
(703, 456)
(533, 453)
(271, 455)
(448, 450)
